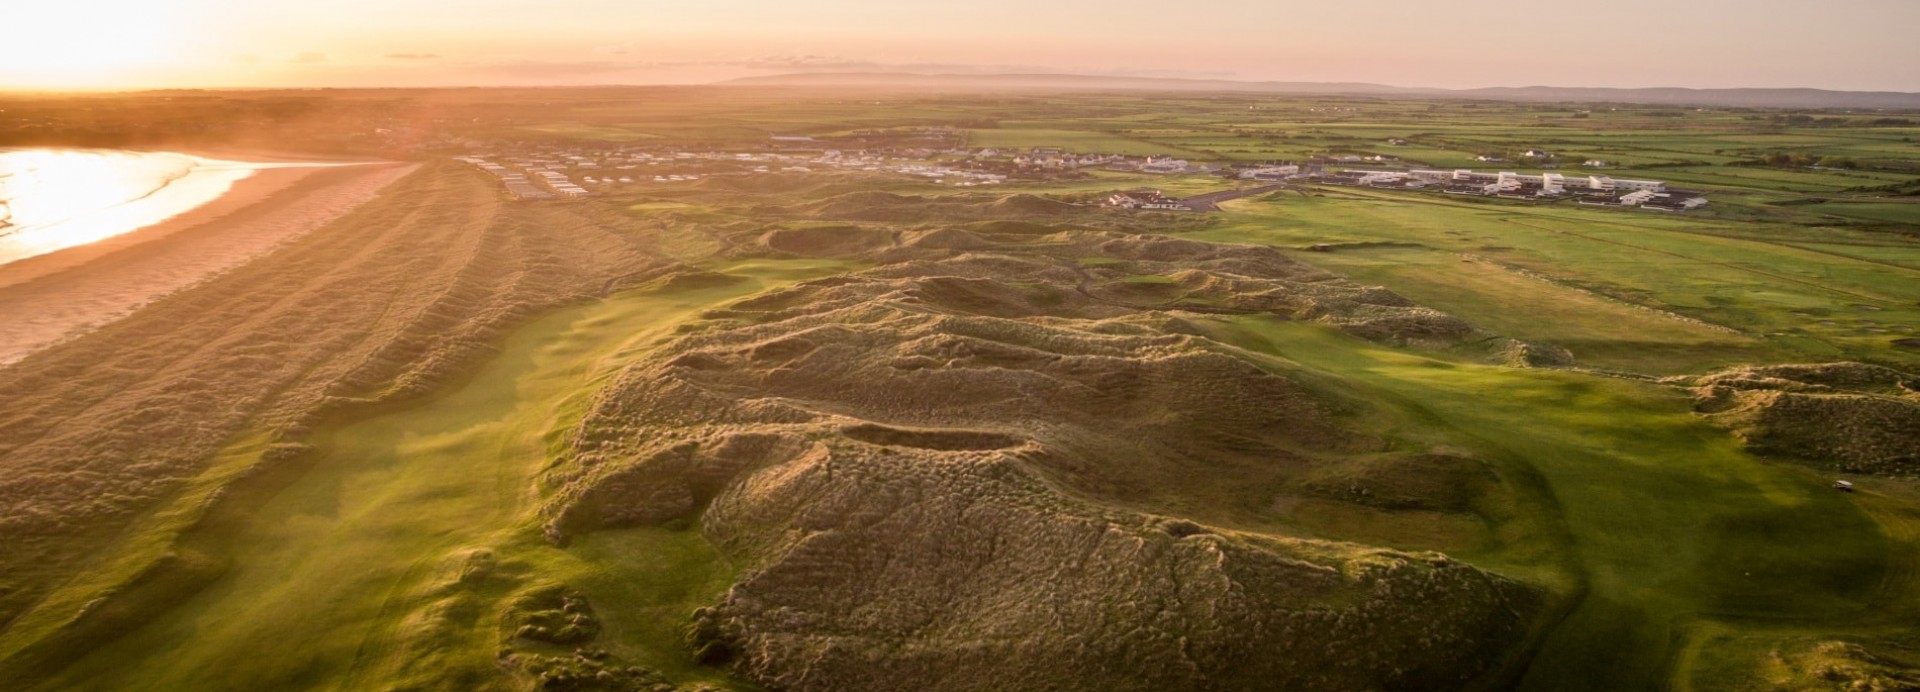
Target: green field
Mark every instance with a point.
(1674, 532)
(361, 547)
(1690, 564)
(385, 550)
(1636, 291)
(1078, 141)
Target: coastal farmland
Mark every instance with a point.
(416, 430)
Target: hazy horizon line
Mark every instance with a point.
(734, 81)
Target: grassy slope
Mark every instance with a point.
(1669, 515)
(346, 577)
(1681, 537)
(1673, 527)
(1606, 284)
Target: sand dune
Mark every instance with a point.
(386, 302)
(56, 296)
(937, 466)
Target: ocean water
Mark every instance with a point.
(53, 199)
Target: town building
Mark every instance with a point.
(1279, 172)
(1146, 199)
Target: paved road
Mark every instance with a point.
(1211, 201)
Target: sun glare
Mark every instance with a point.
(81, 44)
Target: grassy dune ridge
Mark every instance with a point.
(1678, 533)
(850, 431)
(368, 544)
(395, 542)
(384, 304)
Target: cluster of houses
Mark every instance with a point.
(1596, 190)
(1356, 158)
(516, 181)
(550, 171)
(549, 174)
(1146, 199)
(575, 171)
(1055, 158)
(1271, 172)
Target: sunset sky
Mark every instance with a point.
(95, 44)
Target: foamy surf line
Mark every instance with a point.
(62, 198)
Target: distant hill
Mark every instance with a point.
(1673, 96)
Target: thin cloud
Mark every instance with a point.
(829, 63)
(542, 69)
(413, 56)
(612, 60)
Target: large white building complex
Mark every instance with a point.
(1598, 190)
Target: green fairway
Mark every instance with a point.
(1074, 141)
(1630, 290)
(1904, 212)
(358, 569)
(1671, 527)
(589, 132)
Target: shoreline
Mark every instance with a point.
(59, 295)
(268, 172)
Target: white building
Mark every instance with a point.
(1270, 172)
(1146, 199)
(1165, 165)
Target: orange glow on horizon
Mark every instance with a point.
(138, 44)
(78, 44)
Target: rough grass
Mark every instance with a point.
(387, 554)
(835, 436)
(1659, 295)
(1672, 526)
(387, 302)
(360, 546)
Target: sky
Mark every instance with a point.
(119, 44)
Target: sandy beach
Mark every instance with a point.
(55, 296)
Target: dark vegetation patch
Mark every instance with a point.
(590, 670)
(1431, 482)
(553, 615)
(827, 241)
(942, 440)
(1364, 245)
